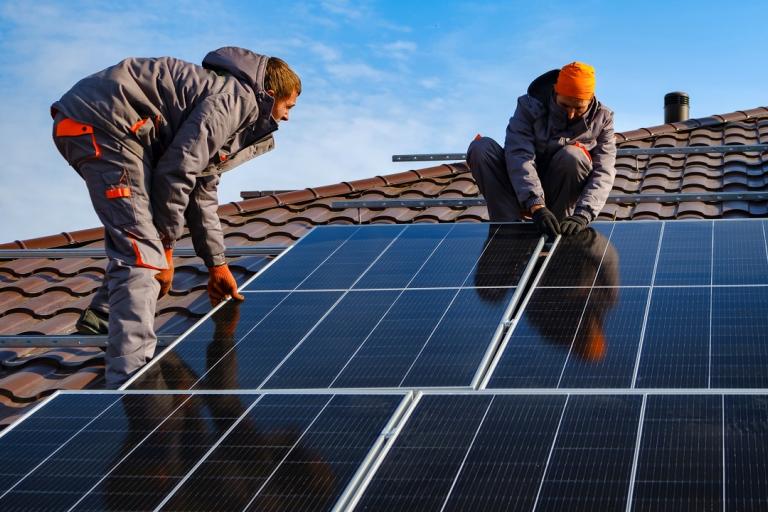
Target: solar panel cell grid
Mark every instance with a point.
(702, 325)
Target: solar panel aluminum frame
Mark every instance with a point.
(484, 378)
(205, 317)
(498, 336)
(378, 452)
(365, 480)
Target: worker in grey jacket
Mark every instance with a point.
(151, 137)
(558, 160)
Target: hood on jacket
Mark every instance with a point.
(541, 88)
(245, 65)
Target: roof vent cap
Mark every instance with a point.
(676, 106)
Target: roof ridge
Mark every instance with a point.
(691, 124)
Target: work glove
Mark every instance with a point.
(546, 222)
(221, 284)
(166, 276)
(573, 224)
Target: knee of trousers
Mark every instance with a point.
(571, 163)
(483, 151)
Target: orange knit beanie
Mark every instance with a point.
(576, 80)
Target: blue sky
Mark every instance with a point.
(379, 77)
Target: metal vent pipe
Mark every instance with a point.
(676, 107)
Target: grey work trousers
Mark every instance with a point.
(117, 182)
(562, 179)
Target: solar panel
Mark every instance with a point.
(621, 451)
(649, 305)
(383, 306)
(190, 452)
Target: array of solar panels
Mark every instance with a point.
(629, 376)
(354, 307)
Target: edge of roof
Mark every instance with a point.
(83, 236)
(76, 238)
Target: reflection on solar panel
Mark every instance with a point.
(372, 306)
(581, 452)
(190, 452)
(647, 305)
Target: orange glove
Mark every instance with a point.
(221, 284)
(166, 276)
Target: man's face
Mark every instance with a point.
(574, 107)
(283, 105)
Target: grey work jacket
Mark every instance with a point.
(190, 123)
(539, 128)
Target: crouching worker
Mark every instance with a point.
(151, 137)
(558, 160)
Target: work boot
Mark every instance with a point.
(92, 323)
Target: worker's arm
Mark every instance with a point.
(600, 180)
(520, 154)
(203, 221)
(205, 130)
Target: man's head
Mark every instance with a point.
(575, 88)
(283, 84)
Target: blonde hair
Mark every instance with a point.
(281, 79)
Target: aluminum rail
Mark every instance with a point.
(615, 199)
(66, 341)
(7, 254)
(681, 150)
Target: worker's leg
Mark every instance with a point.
(564, 178)
(489, 168)
(117, 183)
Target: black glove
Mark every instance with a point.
(573, 224)
(546, 221)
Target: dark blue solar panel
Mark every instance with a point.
(33, 440)
(385, 357)
(323, 355)
(746, 452)
(504, 467)
(577, 259)
(740, 337)
(420, 469)
(199, 452)
(591, 464)
(505, 256)
(455, 258)
(636, 245)
(604, 352)
(302, 259)
(115, 460)
(288, 453)
(685, 257)
(351, 260)
(740, 255)
(680, 464)
(675, 352)
(399, 264)
(196, 354)
(227, 362)
(452, 355)
(541, 341)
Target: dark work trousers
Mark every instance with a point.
(117, 182)
(562, 180)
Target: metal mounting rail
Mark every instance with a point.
(681, 150)
(614, 198)
(66, 341)
(267, 250)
